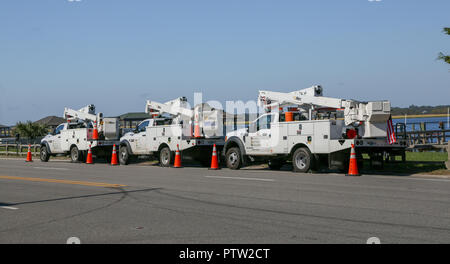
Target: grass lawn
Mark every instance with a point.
(416, 163)
(427, 156)
(12, 149)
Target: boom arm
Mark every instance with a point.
(354, 112)
(176, 107)
(86, 113)
(310, 96)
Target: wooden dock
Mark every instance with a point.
(428, 139)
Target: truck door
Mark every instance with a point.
(260, 134)
(67, 138)
(140, 140)
(55, 142)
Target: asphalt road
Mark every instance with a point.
(50, 202)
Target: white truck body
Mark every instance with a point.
(76, 136)
(271, 139)
(67, 135)
(161, 136)
(321, 137)
(149, 137)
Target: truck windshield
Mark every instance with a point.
(264, 122)
(143, 126)
(58, 129)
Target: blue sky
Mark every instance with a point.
(118, 53)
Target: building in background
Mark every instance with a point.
(5, 131)
(51, 122)
(131, 120)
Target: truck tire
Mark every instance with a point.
(124, 156)
(45, 156)
(165, 157)
(275, 164)
(76, 155)
(233, 158)
(301, 160)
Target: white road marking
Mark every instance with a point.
(50, 168)
(9, 207)
(409, 178)
(240, 178)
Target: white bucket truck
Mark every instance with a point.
(83, 128)
(309, 134)
(171, 126)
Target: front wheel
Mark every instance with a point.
(124, 156)
(301, 160)
(45, 156)
(233, 157)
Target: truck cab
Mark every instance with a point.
(137, 140)
(53, 139)
(58, 141)
(257, 136)
(307, 143)
(75, 138)
(160, 137)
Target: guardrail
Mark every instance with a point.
(434, 139)
(19, 149)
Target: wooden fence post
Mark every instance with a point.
(447, 164)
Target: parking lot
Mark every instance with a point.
(50, 202)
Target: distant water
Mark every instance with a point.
(432, 123)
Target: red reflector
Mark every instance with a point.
(351, 133)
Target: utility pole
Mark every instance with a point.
(448, 117)
(447, 164)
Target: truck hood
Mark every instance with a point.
(237, 133)
(127, 135)
(47, 137)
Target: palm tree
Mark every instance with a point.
(30, 130)
(441, 55)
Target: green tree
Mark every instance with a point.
(441, 55)
(30, 130)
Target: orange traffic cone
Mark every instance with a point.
(214, 160)
(29, 156)
(353, 167)
(89, 159)
(114, 156)
(95, 132)
(197, 133)
(177, 163)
